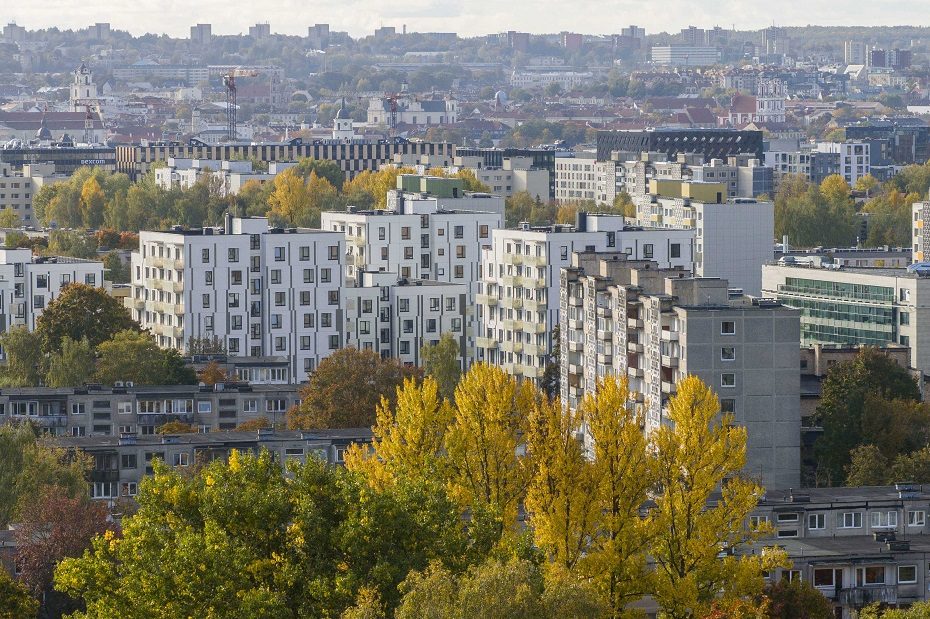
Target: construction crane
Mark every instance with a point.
(391, 99)
(229, 82)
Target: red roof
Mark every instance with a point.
(743, 104)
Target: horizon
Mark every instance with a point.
(446, 16)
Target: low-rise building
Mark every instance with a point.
(656, 326)
(121, 462)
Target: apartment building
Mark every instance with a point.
(446, 194)
(920, 233)
(855, 158)
(120, 463)
(857, 546)
(229, 176)
(684, 55)
(397, 317)
(734, 236)
(16, 193)
(29, 283)
(657, 325)
(97, 410)
(262, 291)
(743, 175)
(513, 175)
(575, 178)
(518, 301)
(856, 306)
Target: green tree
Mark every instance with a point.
(23, 350)
(28, 465)
(79, 312)
(694, 455)
(797, 599)
(115, 270)
(345, 389)
(9, 218)
(72, 365)
(323, 168)
(842, 406)
(867, 466)
(913, 466)
(15, 600)
(134, 356)
(442, 362)
(920, 610)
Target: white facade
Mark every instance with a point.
(83, 91)
(263, 292)
(568, 80)
(518, 304)
(921, 231)
(397, 317)
(515, 175)
(410, 110)
(29, 283)
(855, 161)
(684, 55)
(575, 178)
(16, 193)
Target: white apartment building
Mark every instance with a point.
(398, 317)
(568, 80)
(419, 242)
(921, 231)
(743, 175)
(656, 326)
(263, 291)
(29, 283)
(855, 161)
(684, 55)
(518, 303)
(16, 193)
(229, 175)
(575, 178)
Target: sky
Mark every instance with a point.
(466, 17)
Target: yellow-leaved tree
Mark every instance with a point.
(562, 499)
(290, 200)
(92, 203)
(491, 413)
(700, 544)
(408, 438)
(625, 470)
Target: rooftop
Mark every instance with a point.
(218, 438)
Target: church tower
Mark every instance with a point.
(83, 89)
(342, 125)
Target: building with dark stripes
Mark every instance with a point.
(712, 143)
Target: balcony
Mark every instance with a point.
(158, 262)
(605, 358)
(532, 372)
(575, 323)
(50, 421)
(534, 304)
(634, 372)
(138, 304)
(634, 347)
(486, 342)
(634, 323)
(178, 286)
(574, 346)
(574, 368)
(179, 265)
(669, 335)
(575, 301)
(516, 303)
(859, 597)
(358, 241)
(179, 309)
(668, 387)
(603, 334)
(535, 261)
(603, 310)
(486, 299)
(669, 361)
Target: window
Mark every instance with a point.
(905, 318)
(237, 278)
(675, 250)
(907, 574)
(204, 408)
(459, 232)
(205, 255)
(850, 520)
(816, 521)
(871, 575)
(78, 408)
(124, 408)
(275, 276)
(647, 250)
(408, 253)
(823, 577)
(727, 353)
(304, 253)
(459, 272)
(789, 517)
(308, 276)
(727, 405)
(916, 518)
(279, 298)
(483, 231)
(206, 301)
(727, 327)
(405, 233)
(233, 254)
(128, 461)
(782, 533)
(459, 251)
(333, 252)
(333, 297)
(883, 520)
(728, 380)
(326, 275)
(279, 254)
(182, 459)
(326, 319)
(308, 321)
(756, 522)
(333, 342)
(403, 305)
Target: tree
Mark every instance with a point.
(345, 389)
(9, 218)
(92, 203)
(15, 600)
(867, 466)
(442, 361)
(797, 599)
(617, 556)
(51, 527)
(212, 374)
(323, 168)
(552, 375)
(842, 406)
(408, 436)
(920, 610)
(491, 412)
(259, 423)
(563, 499)
(23, 350)
(80, 312)
(914, 466)
(694, 457)
(72, 366)
(290, 200)
(867, 184)
(27, 465)
(623, 204)
(116, 271)
(134, 356)
(176, 427)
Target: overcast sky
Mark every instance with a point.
(467, 17)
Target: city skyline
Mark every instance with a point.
(363, 16)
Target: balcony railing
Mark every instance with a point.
(858, 597)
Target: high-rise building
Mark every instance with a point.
(264, 292)
(712, 143)
(201, 34)
(655, 326)
(260, 31)
(855, 52)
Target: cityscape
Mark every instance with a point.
(303, 322)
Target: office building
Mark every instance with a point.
(855, 52)
(895, 141)
(855, 159)
(656, 326)
(712, 143)
(260, 31)
(201, 34)
(855, 306)
(397, 317)
(529, 158)
(513, 175)
(262, 291)
(684, 55)
(518, 301)
(318, 36)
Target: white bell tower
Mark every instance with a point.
(83, 89)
